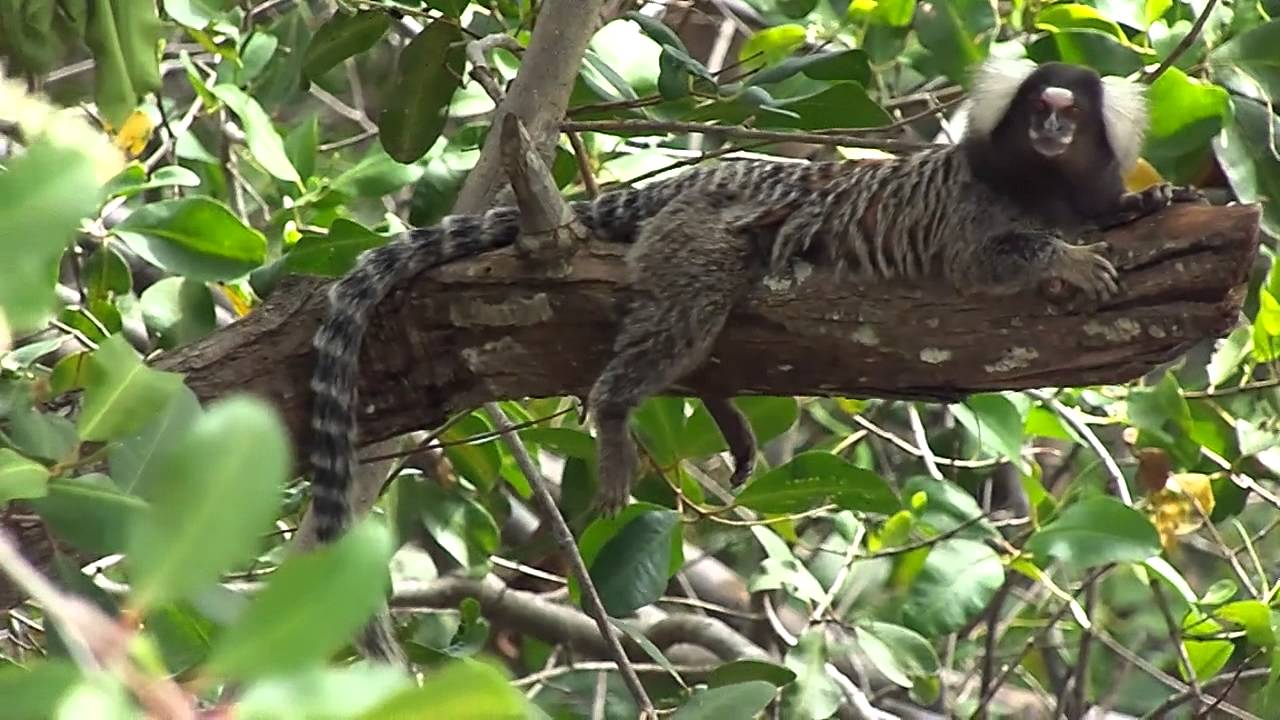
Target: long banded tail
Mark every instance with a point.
(337, 344)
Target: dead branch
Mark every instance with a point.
(496, 327)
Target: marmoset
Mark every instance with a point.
(1040, 163)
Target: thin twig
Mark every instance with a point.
(564, 539)
(1183, 45)
(1072, 417)
(922, 442)
(1175, 637)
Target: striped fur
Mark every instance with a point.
(939, 214)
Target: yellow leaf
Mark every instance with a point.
(133, 134)
(1141, 176)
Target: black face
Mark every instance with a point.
(1055, 107)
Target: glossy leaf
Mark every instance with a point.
(631, 570)
(106, 273)
(178, 311)
(124, 37)
(90, 512)
(281, 630)
(265, 144)
(994, 422)
(958, 579)
(335, 254)
(121, 393)
(43, 435)
(465, 690)
(222, 491)
(742, 700)
(1096, 531)
(430, 71)
(956, 34)
(339, 692)
(134, 180)
(341, 37)
(136, 461)
(21, 477)
(44, 193)
(815, 478)
(741, 671)
(196, 237)
(34, 692)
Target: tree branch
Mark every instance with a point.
(496, 327)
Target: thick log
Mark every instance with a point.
(495, 327)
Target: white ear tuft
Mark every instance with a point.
(994, 85)
(1124, 115)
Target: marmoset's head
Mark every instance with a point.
(1054, 108)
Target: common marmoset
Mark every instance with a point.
(1041, 161)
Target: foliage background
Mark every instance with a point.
(1006, 556)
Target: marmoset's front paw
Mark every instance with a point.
(1086, 268)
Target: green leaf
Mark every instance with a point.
(843, 105)
(459, 524)
(44, 193)
(631, 570)
(958, 579)
(124, 36)
(947, 506)
(429, 73)
(43, 435)
(462, 690)
(814, 694)
(133, 180)
(107, 273)
(1252, 615)
(1245, 152)
(283, 629)
(846, 65)
(335, 254)
(20, 477)
(1068, 16)
(178, 311)
(657, 30)
(222, 491)
(909, 652)
(479, 463)
(34, 692)
(743, 700)
(1090, 48)
(90, 512)
(881, 655)
(1207, 657)
(956, 34)
(1186, 114)
(1251, 53)
(121, 394)
(741, 671)
(136, 461)
(264, 142)
(995, 422)
(197, 237)
(1096, 531)
(300, 145)
(343, 36)
(771, 45)
(815, 478)
(330, 692)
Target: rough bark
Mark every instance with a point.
(494, 327)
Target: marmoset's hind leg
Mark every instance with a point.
(687, 269)
(737, 433)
